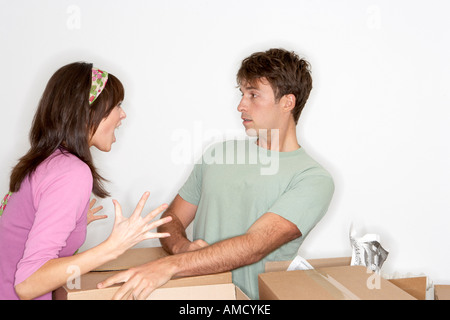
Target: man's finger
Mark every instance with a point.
(124, 291)
(145, 293)
(201, 243)
(117, 278)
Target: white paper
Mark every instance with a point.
(367, 251)
(299, 263)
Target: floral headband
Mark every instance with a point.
(99, 79)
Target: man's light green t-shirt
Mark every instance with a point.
(236, 182)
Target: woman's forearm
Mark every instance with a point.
(56, 272)
(126, 233)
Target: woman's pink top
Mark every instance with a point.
(44, 220)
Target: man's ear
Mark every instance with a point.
(288, 102)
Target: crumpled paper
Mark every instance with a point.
(299, 263)
(367, 251)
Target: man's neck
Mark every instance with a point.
(279, 139)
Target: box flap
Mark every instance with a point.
(330, 262)
(417, 286)
(441, 292)
(240, 295)
(341, 283)
(272, 266)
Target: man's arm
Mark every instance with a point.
(267, 234)
(182, 213)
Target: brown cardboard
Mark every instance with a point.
(330, 283)
(199, 287)
(315, 263)
(224, 291)
(441, 292)
(181, 288)
(417, 286)
(132, 258)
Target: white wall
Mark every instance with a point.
(377, 118)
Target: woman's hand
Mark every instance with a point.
(128, 232)
(92, 211)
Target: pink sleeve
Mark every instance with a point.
(61, 192)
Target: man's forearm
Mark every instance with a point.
(222, 256)
(261, 239)
(219, 257)
(177, 232)
(265, 235)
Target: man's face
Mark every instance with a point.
(258, 107)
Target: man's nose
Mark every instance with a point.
(242, 106)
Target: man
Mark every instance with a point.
(244, 215)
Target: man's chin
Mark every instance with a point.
(251, 132)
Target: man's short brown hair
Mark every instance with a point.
(285, 71)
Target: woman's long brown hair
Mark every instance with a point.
(65, 120)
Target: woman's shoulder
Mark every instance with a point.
(64, 164)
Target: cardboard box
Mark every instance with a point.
(441, 292)
(329, 283)
(207, 287)
(415, 286)
(133, 258)
(316, 263)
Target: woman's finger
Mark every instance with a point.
(97, 209)
(155, 235)
(92, 202)
(140, 206)
(118, 212)
(155, 212)
(158, 223)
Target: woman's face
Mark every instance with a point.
(104, 137)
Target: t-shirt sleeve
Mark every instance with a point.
(306, 201)
(60, 197)
(192, 189)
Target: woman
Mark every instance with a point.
(45, 214)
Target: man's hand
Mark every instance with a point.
(192, 246)
(140, 281)
(269, 232)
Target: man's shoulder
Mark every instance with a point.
(306, 165)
